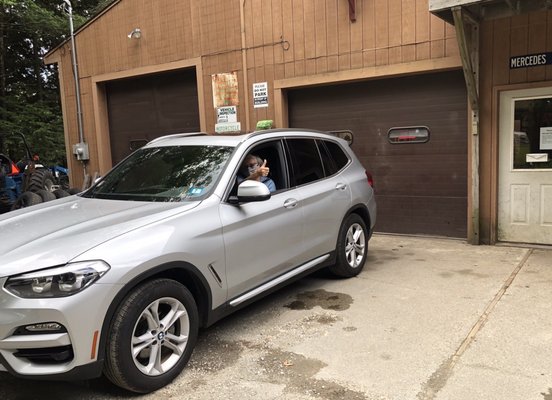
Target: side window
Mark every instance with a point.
(338, 154)
(273, 153)
(305, 159)
(327, 160)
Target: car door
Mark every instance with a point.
(325, 192)
(262, 239)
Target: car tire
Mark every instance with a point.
(352, 247)
(26, 199)
(136, 340)
(45, 195)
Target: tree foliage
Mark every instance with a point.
(29, 90)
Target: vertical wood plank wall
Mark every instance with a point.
(318, 38)
(500, 40)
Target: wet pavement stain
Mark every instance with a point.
(471, 272)
(547, 396)
(436, 381)
(297, 372)
(321, 298)
(350, 328)
(463, 272)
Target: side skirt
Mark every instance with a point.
(275, 282)
(270, 287)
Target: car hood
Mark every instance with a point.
(53, 234)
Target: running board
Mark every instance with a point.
(278, 280)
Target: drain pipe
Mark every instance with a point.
(69, 10)
(80, 150)
(244, 65)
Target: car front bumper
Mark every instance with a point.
(58, 353)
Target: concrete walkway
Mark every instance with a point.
(426, 319)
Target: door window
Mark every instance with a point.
(273, 153)
(333, 156)
(532, 136)
(306, 164)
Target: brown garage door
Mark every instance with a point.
(421, 188)
(141, 109)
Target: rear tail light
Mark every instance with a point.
(370, 178)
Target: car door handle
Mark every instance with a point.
(340, 186)
(290, 203)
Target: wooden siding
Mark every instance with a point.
(501, 39)
(283, 39)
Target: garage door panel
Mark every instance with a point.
(141, 109)
(421, 215)
(421, 180)
(432, 173)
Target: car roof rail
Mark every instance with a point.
(178, 135)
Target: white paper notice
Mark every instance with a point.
(546, 138)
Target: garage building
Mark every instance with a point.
(401, 75)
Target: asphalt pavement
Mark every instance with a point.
(426, 319)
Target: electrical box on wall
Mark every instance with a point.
(80, 150)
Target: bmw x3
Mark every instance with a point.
(119, 278)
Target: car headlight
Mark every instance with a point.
(58, 281)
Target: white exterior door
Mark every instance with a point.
(525, 166)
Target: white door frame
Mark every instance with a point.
(522, 193)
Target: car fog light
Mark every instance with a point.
(45, 327)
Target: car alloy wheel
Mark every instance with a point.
(160, 336)
(356, 245)
(152, 336)
(352, 247)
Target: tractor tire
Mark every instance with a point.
(45, 195)
(5, 205)
(59, 193)
(41, 179)
(26, 199)
(74, 191)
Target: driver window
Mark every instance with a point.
(255, 157)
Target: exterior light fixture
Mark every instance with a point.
(135, 34)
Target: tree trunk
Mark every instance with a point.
(37, 67)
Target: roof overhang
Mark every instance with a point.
(487, 9)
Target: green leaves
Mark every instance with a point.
(29, 90)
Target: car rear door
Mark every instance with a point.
(325, 194)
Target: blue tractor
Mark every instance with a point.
(27, 182)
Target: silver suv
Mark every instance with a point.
(118, 280)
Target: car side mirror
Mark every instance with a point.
(250, 190)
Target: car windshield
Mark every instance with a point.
(174, 173)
